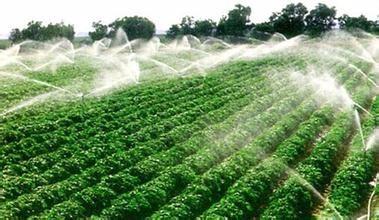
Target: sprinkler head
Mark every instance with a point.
(374, 183)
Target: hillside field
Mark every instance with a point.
(194, 128)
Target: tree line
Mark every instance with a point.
(292, 20)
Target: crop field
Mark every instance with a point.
(195, 128)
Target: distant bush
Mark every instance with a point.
(36, 31)
(189, 26)
(135, 27)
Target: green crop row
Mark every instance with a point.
(27, 148)
(111, 160)
(206, 189)
(86, 157)
(295, 198)
(243, 199)
(351, 184)
(128, 178)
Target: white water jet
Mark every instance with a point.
(373, 140)
(312, 189)
(277, 37)
(342, 59)
(359, 127)
(21, 77)
(374, 183)
(362, 73)
(29, 102)
(54, 63)
(347, 52)
(325, 87)
(183, 55)
(210, 41)
(159, 63)
(271, 47)
(116, 73)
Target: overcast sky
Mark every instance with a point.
(81, 13)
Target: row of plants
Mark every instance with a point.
(205, 195)
(13, 91)
(297, 196)
(127, 179)
(246, 196)
(108, 163)
(133, 124)
(91, 151)
(350, 186)
(130, 123)
(293, 200)
(136, 96)
(24, 149)
(149, 197)
(97, 193)
(45, 159)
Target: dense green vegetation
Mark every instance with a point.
(36, 31)
(351, 183)
(238, 142)
(191, 127)
(291, 21)
(135, 27)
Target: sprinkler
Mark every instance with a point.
(374, 184)
(82, 97)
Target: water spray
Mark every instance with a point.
(359, 127)
(373, 140)
(374, 184)
(311, 188)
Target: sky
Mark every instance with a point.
(164, 13)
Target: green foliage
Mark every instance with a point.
(320, 19)
(293, 200)
(236, 23)
(351, 23)
(351, 183)
(189, 26)
(36, 31)
(185, 147)
(100, 32)
(173, 31)
(204, 27)
(290, 21)
(135, 27)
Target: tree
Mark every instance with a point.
(101, 31)
(375, 27)
(15, 35)
(59, 30)
(264, 27)
(349, 23)
(135, 27)
(173, 31)
(33, 31)
(262, 31)
(36, 31)
(236, 23)
(187, 25)
(320, 19)
(204, 27)
(290, 21)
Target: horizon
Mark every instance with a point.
(82, 18)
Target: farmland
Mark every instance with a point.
(194, 128)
